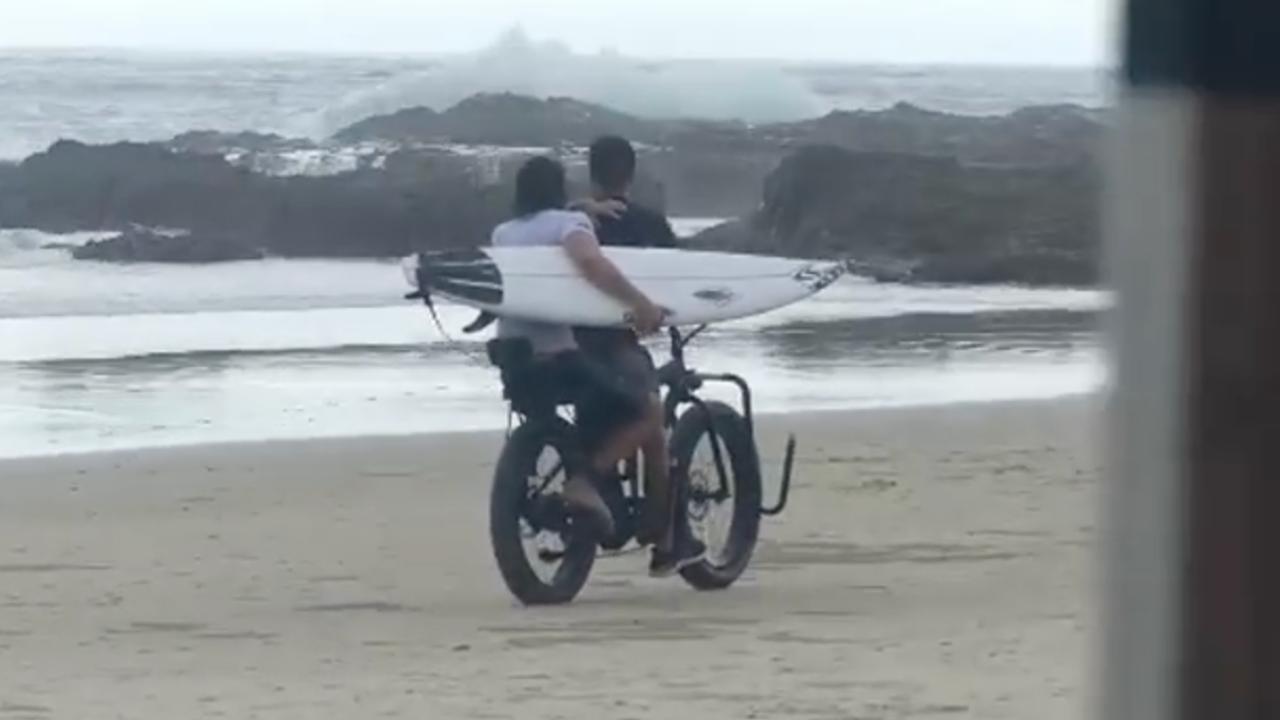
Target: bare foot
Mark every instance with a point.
(583, 499)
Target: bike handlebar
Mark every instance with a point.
(679, 341)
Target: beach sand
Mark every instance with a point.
(934, 563)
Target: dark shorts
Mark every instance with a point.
(627, 383)
(607, 390)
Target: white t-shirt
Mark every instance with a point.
(549, 227)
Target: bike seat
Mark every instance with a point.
(509, 353)
(531, 385)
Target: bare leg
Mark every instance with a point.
(659, 511)
(622, 444)
(673, 548)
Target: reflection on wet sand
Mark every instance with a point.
(930, 336)
(206, 396)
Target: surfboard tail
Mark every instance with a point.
(469, 276)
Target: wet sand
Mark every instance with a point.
(935, 563)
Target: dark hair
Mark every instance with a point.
(613, 163)
(540, 185)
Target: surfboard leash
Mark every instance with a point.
(458, 345)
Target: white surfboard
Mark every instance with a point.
(541, 283)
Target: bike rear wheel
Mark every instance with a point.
(726, 518)
(541, 559)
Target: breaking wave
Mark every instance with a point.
(750, 91)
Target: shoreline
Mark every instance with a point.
(302, 442)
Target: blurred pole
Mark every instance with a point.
(1192, 526)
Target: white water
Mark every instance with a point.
(58, 309)
(105, 96)
(752, 91)
(97, 356)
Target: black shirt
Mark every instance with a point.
(637, 226)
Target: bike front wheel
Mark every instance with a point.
(723, 513)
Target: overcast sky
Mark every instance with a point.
(1071, 32)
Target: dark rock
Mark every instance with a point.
(273, 154)
(1047, 135)
(712, 168)
(927, 219)
(1034, 135)
(738, 234)
(372, 213)
(415, 124)
(909, 193)
(9, 181)
(706, 183)
(498, 169)
(68, 246)
(73, 186)
(499, 119)
(367, 213)
(213, 142)
(146, 245)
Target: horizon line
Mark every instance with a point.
(368, 54)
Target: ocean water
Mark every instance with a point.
(96, 356)
(104, 96)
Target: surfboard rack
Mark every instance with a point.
(788, 461)
(692, 380)
(784, 492)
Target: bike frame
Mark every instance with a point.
(682, 384)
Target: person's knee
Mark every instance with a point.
(653, 412)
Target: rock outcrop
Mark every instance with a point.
(1034, 135)
(212, 142)
(927, 219)
(146, 245)
(367, 213)
(499, 119)
(906, 193)
(716, 168)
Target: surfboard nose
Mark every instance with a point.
(819, 274)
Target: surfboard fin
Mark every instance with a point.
(482, 321)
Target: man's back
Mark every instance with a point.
(637, 226)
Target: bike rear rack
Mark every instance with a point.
(788, 461)
(784, 492)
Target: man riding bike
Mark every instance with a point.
(621, 222)
(541, 219)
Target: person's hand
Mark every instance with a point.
(646, 319)
(601, 209)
